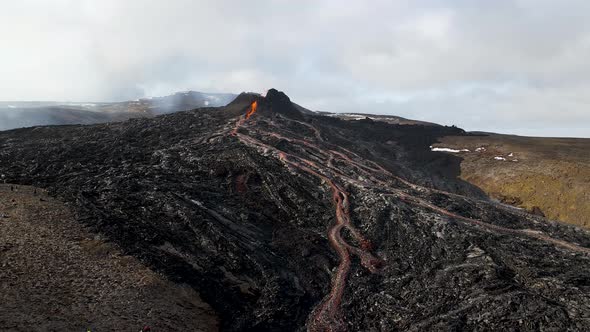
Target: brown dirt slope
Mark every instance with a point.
(548, 175)
(56, 276)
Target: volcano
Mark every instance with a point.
(284, 219)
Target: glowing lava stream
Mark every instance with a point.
(326, 316)
(252, 110)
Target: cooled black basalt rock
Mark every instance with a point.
(188, 197)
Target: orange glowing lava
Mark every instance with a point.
(252, 109)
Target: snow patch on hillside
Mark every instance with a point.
(447, 150)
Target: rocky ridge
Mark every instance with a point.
(285, 220)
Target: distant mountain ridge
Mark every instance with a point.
(21, 114)
(34, 113)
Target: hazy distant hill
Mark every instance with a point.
(31, 113)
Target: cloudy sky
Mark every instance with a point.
(519, 66)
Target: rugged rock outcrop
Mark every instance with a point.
(285, 220)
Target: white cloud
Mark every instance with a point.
(517, 65)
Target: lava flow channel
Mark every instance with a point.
(251, 110)
(326, 316)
